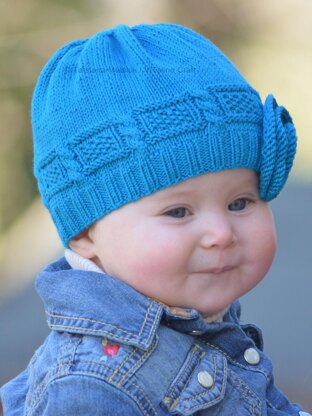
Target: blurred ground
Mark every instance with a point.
(280, 305)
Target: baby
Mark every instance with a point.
(156, 160)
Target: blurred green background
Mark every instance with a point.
(270, 41)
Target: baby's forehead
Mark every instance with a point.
(225, 180)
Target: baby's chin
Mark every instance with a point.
(215, 317)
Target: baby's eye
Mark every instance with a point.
(239, 204)
(179, 212)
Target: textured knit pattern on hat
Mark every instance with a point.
(131, 111)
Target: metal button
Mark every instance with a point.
(196, 332)
(304, 414)
(252, 356)
(205, 379)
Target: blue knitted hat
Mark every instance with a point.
(133, 110)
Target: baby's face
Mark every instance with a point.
(200, 244)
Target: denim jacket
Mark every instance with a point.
(113, 351)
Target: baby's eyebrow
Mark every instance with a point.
(253, 182)
(174, 193)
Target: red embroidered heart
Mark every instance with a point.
(111, 350)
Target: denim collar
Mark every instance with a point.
(91, 303)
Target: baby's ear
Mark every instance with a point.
(83, 244)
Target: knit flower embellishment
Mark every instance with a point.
(109, 350)
(278, 148)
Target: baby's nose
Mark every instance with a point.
(217, 232)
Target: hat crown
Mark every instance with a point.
(108, 75)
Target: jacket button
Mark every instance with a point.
(252, 356)
(205, 379)
(196, 332)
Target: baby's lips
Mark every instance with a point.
(216, 270)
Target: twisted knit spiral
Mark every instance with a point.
(133, 110)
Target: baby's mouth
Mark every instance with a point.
(216, 270)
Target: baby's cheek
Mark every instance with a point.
(266, 245)
(270, 249)
(157, 258)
